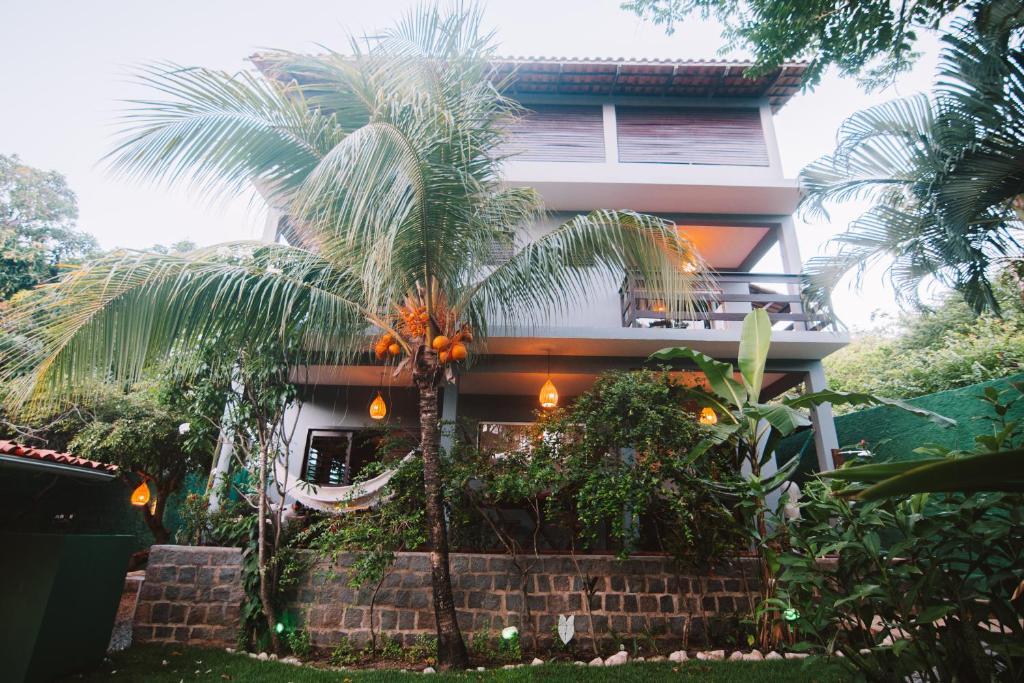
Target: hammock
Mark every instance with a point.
(336, 499)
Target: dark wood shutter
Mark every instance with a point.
(557, 133)
(691, 135)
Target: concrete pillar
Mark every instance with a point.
(225, 447)
(825, 437)
(791, 263)
(611, 134)
(743, 307)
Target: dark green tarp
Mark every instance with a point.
(891, 433)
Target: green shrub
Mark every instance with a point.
(298, 642)
(344, 653)
(927, 583)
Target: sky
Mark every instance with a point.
(68, 65)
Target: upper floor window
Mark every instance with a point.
(691, 135)
(558, 133)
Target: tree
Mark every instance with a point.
(37, 226)
(943, 172)
(387, 164)
(145, 433)
(936, 350)
(873, 37)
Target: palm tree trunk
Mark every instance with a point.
(451, 650)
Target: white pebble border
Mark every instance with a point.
(616, 659)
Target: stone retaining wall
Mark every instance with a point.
(193, 594)
(190, 594)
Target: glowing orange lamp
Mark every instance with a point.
(708, 416)
(378, 409)
(548, 392)
(140, 496)
(548, 395)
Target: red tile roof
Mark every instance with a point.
(45, 454)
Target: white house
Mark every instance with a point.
(693, 141)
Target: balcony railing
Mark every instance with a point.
(726, 303)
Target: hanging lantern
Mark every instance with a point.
(378, 409)
(548, 395)
(140, 496)
(708, 416)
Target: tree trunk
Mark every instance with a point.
(264, 569)
(451, 650)
(154, 517)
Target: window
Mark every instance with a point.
(558, 133)
(334, 457)
(502, 438)
(691, 135)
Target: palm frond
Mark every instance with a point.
(222, 132)
(118, 316)
(557, 272)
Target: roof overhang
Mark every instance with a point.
(41, 460)
(617, 77)
(677, 78)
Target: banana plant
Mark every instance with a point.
(737, 401)
(747, 422)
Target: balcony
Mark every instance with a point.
(724, 305)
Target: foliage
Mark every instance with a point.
(623, 445)
(754, 429)
(940, 172)
(38, 239)
(929, 583)
(298, 642)
(937, 350)
(394, 524)
(873, 38)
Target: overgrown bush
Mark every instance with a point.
(928, 585)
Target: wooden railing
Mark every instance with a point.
(728, 301)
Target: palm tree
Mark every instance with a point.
(387, 163)
(945, 173)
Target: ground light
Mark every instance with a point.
(708, 416)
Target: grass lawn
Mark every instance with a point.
(146, 663)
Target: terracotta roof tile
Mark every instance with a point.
(47, 455)
(611, 76)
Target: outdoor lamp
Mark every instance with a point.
(708, 416)
(548, 392)
(548, 395)
(378, 409)
(140, 496)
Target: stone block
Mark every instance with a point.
(655, 584)
(353, 617)
(666, 604)
(630, 604)
(196, 615)
(151, 591)
(186, 574)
